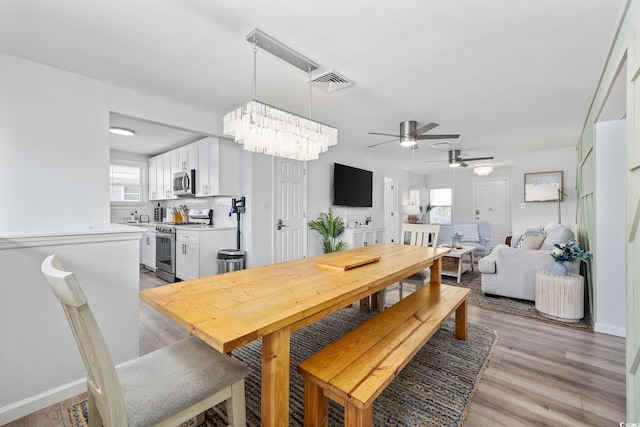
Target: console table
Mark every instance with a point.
(560, 297)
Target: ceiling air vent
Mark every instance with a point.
(438, 144)
(331, 81)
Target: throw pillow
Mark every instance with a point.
(469, 232)
(532, 241)
(558, 234)
(536, 231)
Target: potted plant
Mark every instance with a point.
(330, 226)
(569, 252)
(455, 240)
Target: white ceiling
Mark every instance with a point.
(509, 76)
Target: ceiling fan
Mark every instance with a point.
(410, 133)
(456, 159)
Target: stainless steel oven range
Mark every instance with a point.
(166, 242)
(166, 252)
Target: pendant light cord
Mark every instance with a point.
(310, 103)
(255, 67)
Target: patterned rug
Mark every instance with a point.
(471, 280)
(434, 389)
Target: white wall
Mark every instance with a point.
(539, 214)
(533, 214)
(55, 144)
(320, 181)
(55, 161)
(610, 241)
(39, 361)
(462, 181)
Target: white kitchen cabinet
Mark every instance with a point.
(217, 164)
(148, 247)
(156, 190)
(359, 237)
(187, 261)
(197, 250)
(186, 157)
(161, 169)
(169, 166)
(219, 168)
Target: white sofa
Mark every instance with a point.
(511, 272)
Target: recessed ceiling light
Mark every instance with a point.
(121, 131)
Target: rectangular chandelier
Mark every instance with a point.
(262, 128)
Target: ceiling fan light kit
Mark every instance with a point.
(483, 170)
(410, 133)
(262, 128)
(456, 160)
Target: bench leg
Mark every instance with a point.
(461, 321)
(316, 406)
(355, 417)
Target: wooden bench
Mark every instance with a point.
(356, 368)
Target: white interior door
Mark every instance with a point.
(289, 222)
(492, 205)
(390, 208)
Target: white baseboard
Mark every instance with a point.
(610, 330)
(19, 409)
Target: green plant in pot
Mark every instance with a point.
(330, 226)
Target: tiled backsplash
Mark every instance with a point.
(220, 206)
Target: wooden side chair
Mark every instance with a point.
(166, 387)
(419, 235)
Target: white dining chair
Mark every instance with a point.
(418, 235)
(166, 387)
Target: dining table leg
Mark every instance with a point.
(276, 352)
(436, 272)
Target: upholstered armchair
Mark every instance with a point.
(475, 233)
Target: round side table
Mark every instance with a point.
(560, 297)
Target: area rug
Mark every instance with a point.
(471, 280)
(434, 389)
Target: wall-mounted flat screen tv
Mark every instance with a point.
(352, 187)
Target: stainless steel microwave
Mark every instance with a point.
(184, 183)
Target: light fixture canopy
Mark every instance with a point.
(121, 131)
(262, 128)
(483, 170)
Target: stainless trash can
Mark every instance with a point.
(231, 260)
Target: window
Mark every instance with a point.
(126, 183)
(440, 200)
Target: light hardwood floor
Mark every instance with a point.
(541, 374)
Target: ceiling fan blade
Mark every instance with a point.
(463, 164)
(478, 158)
(436, 165)
(425, 128)
(385, 134)
(452, 136)
(385, 142)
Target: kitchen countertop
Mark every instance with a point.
(184, 227)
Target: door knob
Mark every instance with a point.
(280, 225)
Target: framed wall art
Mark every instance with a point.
(543, 186)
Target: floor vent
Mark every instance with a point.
(331, 81)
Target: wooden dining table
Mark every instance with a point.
(230, 310)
